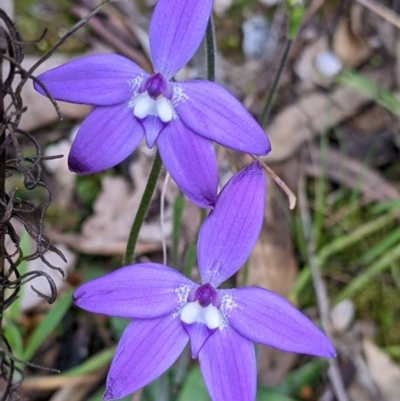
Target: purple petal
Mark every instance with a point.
(230, 231)
(191, 161)
(146, 350)
(267, 318)
(152, 127)
(145, 290)
(176, 31)
(107, 136)
(228, 364)
(198, 334)
(99, 80)
(211, 111)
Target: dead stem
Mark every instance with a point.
(319, 285)
(288, 192)
(382, 11)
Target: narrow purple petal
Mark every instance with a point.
(99, 80)
(230, 231)
(146, 350)
(267, 318)
(176, 31)
(152, 127)
(228, 364)
(198, 334)
(107, 136)
(211, 111)
(191, 161)
(145, 290)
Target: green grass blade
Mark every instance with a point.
(371, 90)
(14, 338)
(14, 311)
(361, 280)
(92, 364)
(48, 324)
(382, 246)
(336, 246)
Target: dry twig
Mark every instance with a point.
(290, 195)
(382, 11)
(319, 285)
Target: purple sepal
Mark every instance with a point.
(176, 31)
(99, 80)
(145, 290)
(198, 334)
(152, 126)
(228, 364)
(106, 137)
(267, 318)
(145, 351)
(211, 111)
(191, 161)
(231, 230)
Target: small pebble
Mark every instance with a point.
(328, 64)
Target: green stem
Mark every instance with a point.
(142, 211)
(211, 49)
(268, 104)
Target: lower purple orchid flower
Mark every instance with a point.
(169, 309)
(183, 118)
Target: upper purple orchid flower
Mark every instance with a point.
(169, 309)
(182, 117)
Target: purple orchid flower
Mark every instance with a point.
(182, 117)
(169, 309)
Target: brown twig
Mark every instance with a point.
(290, 195)
(382, 11)
(319, 285)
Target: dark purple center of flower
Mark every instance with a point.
(156, 86)
(205, 295)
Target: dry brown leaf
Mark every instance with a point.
(107, 230)
(314, 114)
(353, 174)
(384, 372)
(348, 46)
(273, 365)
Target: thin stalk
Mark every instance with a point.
(211, 49)
(142, 211)
(268, 104)
(321, 292)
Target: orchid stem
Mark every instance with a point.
(268, 104)
(142, 211)
(211, 49)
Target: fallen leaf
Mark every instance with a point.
(384, 372)
(352, 173)
(314, 114)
